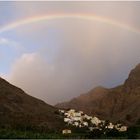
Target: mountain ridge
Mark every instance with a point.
(118, 103)
(20, 109)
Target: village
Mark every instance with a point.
(80, 120)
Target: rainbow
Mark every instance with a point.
(32, 20)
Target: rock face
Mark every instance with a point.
(18, 109)
(121, 103)
(132, 84)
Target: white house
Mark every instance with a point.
(76, 124)
(110, 126)
(80, 125)
(118, 126)
(85, 123)
(67, 120)
(66, 131)
(87, 117)
(77, 118)
(77, 114)
(123, 128)
(62, 111)
(95, 121)
(66, 114)
(71, 111)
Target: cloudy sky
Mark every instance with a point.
(58, 58)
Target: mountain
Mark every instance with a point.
(18, 109)
(121, 103)
(84, 101)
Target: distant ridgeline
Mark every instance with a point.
(121, 103)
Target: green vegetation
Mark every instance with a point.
(133, 132)
(32, 132)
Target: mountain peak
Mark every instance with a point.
(133, 81)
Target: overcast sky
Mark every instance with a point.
(56, 60)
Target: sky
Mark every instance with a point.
(58, 50)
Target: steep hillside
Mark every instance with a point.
(84, 101)
(120, 103)
(18, 109)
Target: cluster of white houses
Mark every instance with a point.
(79, 119)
